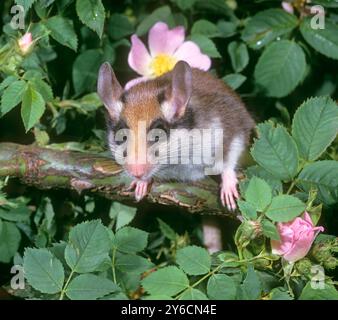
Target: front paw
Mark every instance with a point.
(141, 188)
(229, 190)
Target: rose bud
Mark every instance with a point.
(296, 238)
(25, 43)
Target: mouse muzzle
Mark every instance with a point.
(138, 171)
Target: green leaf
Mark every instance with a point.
(124, 214)
(226, 28)
(89, 287)
(32, 108)
(266, 26)
(132, 263)
(206, 45)
(115, 296)
(26, 4)
(322, 175)
(251, 287)
(324, 40)
(280, 294)
(18, 213)
(167, 230)
(270, 230)
(62, 30)
(157, 297)
(276, 151)
(43, 271)
(89, 245)
(43, 88)
(161, 14)
(119, 26)
(58, 250)
(12, 96)
(92, 14)
(130, 240)
(85, 70)
(274, 183)
(285, 208)
(128, 281)
(205, 28)
(193, 294)
(234, 80)
(247, 210)
(280, 68)
(239, 55)
(166, 281)
(315, 126)
(90, 102)
(328, 292)
(194, 260)
(221, 287)
(10, 238)
(184, 4)
(327, 3)
(258, 193)
(7, 82)
(214, 6)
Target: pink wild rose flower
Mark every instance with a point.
(287, 6)
(25, 42)
(296, 238)
(166, 48)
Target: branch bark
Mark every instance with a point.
(47, 168)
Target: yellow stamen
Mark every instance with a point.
(161, 64)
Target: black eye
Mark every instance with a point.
(157, 138)
(119, 142)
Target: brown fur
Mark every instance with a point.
(211, 99)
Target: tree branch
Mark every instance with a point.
(47, 168)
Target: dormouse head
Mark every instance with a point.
(139, 119)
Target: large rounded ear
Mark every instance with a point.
(109, 90)
(180, 92)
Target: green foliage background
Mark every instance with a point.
(80, 247)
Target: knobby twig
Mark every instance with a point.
(47, 168)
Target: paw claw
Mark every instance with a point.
(141, 189)
(229, 190)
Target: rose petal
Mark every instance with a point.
(191, 53)
(277, 247)
(301, 247)
(163, 40)
(286, 238)
(134, 82)
(139, 58)
(285, 244)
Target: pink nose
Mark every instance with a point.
(138, 170)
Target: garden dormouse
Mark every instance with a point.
(185, 101)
